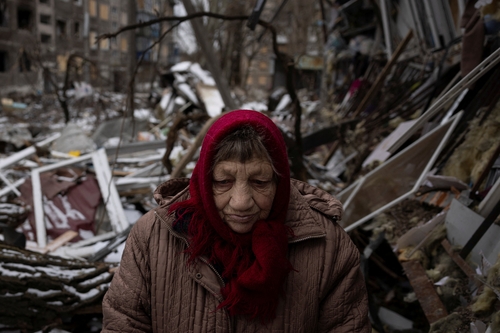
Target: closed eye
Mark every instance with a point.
(261, 183)
(222, 184)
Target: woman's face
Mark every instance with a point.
(243, 192)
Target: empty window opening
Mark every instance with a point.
(45, 39)
(104, 44)
(3, 13)
(104, 11)
(123, 45)
(44, 1)
(76, 29)
(45, 19)
(23, 18)
(92, 8)
(3, 61)
(60, 28)
(24, 62)
(92, 40)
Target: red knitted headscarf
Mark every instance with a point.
(255, 264)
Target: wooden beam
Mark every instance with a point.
(60, 241)
(424, 290)
(464, 266)
(379, 81)
(176, 173)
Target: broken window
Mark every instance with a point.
(23, 18)
(24, 62)
(123, 45)
(76, 29)
(263, 80)
(3, 61)
(45, 39)
(124, 18)
(104, 44)
(93, 73)
(60, 28)
(173, 53)
(395, 180)
(92, 8)
(104, 12)
(92, 40)
(45, 19)
(3, 13)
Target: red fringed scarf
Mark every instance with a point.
(255, 265)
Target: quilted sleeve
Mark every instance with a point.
(344, 306)
(126, 306)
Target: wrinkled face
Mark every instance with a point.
(243, 192)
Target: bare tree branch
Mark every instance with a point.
(169, 18)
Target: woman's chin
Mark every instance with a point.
(240, 228)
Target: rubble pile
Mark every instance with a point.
(44, 291)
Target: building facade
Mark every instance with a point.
(38, 37)
(297, 26)
(18, 30)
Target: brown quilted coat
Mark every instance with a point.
(154, 290)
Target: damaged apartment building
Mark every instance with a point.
(38, 37)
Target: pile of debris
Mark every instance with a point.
(417, 172)
(71, 191)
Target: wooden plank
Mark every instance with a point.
(176, 173)
(464, 266)
(60, 241)
(377, 85)
(424, 290)
(469, 271)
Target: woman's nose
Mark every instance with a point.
(241, 198)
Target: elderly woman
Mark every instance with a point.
(240, 247)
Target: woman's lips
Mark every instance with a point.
(240, 218)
